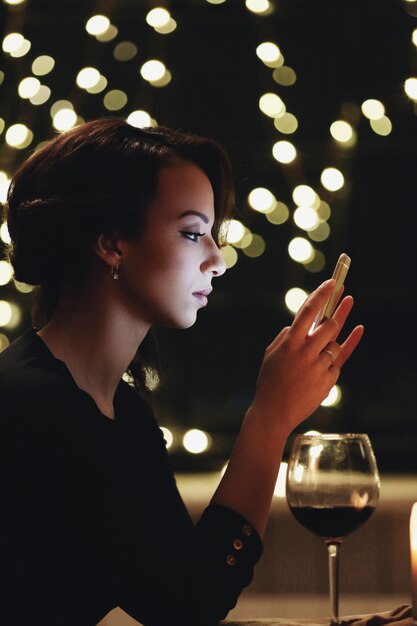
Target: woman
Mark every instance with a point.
(119, 228)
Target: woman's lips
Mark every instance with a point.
(202, 296)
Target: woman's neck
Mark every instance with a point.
(97, 339)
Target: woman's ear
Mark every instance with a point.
(106, 248)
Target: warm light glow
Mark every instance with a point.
(4, 233)
(383, 126)
(279, 490)
(4, 188)
(109, 34)
(22, 50)
(216, 1)
(410, 88)
(341, 131)
(268, 52)
(64, 119)
(271, 104)
(306, 217)
(235, 231)
(262, 200)
(42, 65)
(279, 214)
(87, 77)
(28, 87)
(19, 136)
(43, 94)
(167, 28)
(286, 123)
(284, 151)
(99, 86)
(334, 397)
(6, 272)
(300, 250)
(332, 179)
(168, 436)
(5, 313)
(295, 298)
(284, 76)
(414, 37)
(158, 17)
(317, 264)
(258, 6)
(4, 342)
(12, 42)
(153, 70)
(97, 25)
(163, 81)
(115, 100)
(256, 246)
(60, 104)
(125, 51)
(23, 287)
(303, 195)
(321, 232)
(14, 2)
(139, 119)
(373, 109)
(229, 255)
(323, 210)
(196, 441)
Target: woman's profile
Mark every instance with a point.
(119, 229)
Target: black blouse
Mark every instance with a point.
(91, 517)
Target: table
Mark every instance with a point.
(400, 616)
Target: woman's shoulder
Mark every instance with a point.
(29, 372)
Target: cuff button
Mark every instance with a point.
(247, 530)
(238, 544)
(230, 560)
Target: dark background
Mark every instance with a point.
(343, 53)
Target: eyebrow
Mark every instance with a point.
(198, 214)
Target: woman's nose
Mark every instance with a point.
(214, 263)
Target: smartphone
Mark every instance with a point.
(339, 274)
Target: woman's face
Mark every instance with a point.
(166, 273)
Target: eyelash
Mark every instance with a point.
(191, 236)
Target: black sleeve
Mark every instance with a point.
(194, 574)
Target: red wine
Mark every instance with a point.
(331, 522)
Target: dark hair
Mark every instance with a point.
(98, 177)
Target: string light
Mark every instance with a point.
(108, 35)
(261, 7)
(125, 51)
(100, 85)
(303, 195)
(269, 53)
(410, 88)
(334, 397)
(279, 215)
(6, 272)
(60, 104)
(158, 17)
(152, 70)
(168, 436)
(140, 119)
(229, 255)
(87, 77)
(28, 87)
(196, 441)
(306, 218)
(284, 76)
(5, 313)
(64, 119)
(341, 131)
(300, 250)
(256, 246)
(286, 123)
(382, 126)
(235, 231)
(19, 136)
(373, 109)
(12, 42)
(43, 65)
(262, 200)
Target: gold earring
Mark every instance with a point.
(115, 272)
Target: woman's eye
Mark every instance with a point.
(191, 236)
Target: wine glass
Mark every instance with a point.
(332, 489)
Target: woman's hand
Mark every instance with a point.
(301, 366)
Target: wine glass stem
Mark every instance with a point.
(333, 552)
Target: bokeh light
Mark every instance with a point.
(300, 250)
(168, 436)
(115, 100)
(60, 104)
(152, 70)
(229, 255)
(321, 232)
(271, 104)
(5, 313)
(19, 136)
(410, 88)
(87, 77)
(295, 298)
(100, 85)
(279, 214)
(284, 152)
(341, 131)
(332, 179)
(382, 126)
(97, 25)
(108, 35)
(196, 441)
(158, 17)
(268, 52)
(256, 246)
(64, 119)
(286, 123)
(261, 7)
(4, 342)
(42, 65)
(4, 232)
(125, 51)
(284, 76)
(12, 42)
(28, 87)
(262, 200)
(139, 119)
(334, 397)
(373, 109)
(306, 217)
(235, 231)
(6, 272)
(304, 195)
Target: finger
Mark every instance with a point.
(342, 312)
(275, 343)
(330, 354)
(349, 345)
(306, 315)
